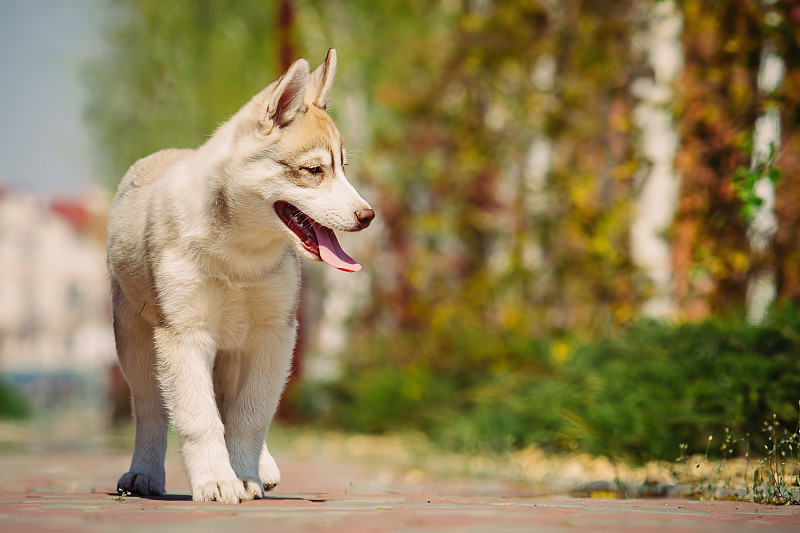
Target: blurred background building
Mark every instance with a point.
(55, 316)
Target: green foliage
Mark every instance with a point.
(175, 70)
(475, 235)
(639, 395)
(12, 404)
(745, 180)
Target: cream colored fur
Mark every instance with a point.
(205, 282)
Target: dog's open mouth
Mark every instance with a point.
(315, 237)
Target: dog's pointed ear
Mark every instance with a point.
(285, 102)
(321, 81)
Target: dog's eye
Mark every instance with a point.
(313, 170)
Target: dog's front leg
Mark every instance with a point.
(265, 368)
(185, 359)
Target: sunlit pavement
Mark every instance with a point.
(382, 512)
(74, 491)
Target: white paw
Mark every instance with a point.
(268, 471)
(221, 491)
(142, 484)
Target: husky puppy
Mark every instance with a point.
(203, 249)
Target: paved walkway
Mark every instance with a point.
(33, 512)
(66, 490)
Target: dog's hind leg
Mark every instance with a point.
(230, 373)
(268, 469)
(263, 369)
(134, 339)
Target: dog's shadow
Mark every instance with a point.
(188, 498)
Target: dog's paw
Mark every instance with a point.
(253, 490)
(221, 491)
(141, 484)
(268, 471)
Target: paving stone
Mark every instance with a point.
(74, 492)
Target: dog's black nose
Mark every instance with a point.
(364, 217)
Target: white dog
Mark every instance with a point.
(203, 250)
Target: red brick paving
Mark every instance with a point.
(81, 512)
(74, 492)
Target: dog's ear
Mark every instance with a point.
(285, 102)
(321, 81)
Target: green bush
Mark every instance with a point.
(639, 395)
(12, 404)
(658, 386)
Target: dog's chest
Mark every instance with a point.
(247, 310)
(234, 322)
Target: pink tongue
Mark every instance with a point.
(332, 253)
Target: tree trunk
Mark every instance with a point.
(764, 225)
(655, 206)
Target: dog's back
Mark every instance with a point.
(148, 169)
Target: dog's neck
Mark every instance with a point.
(232, 244)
